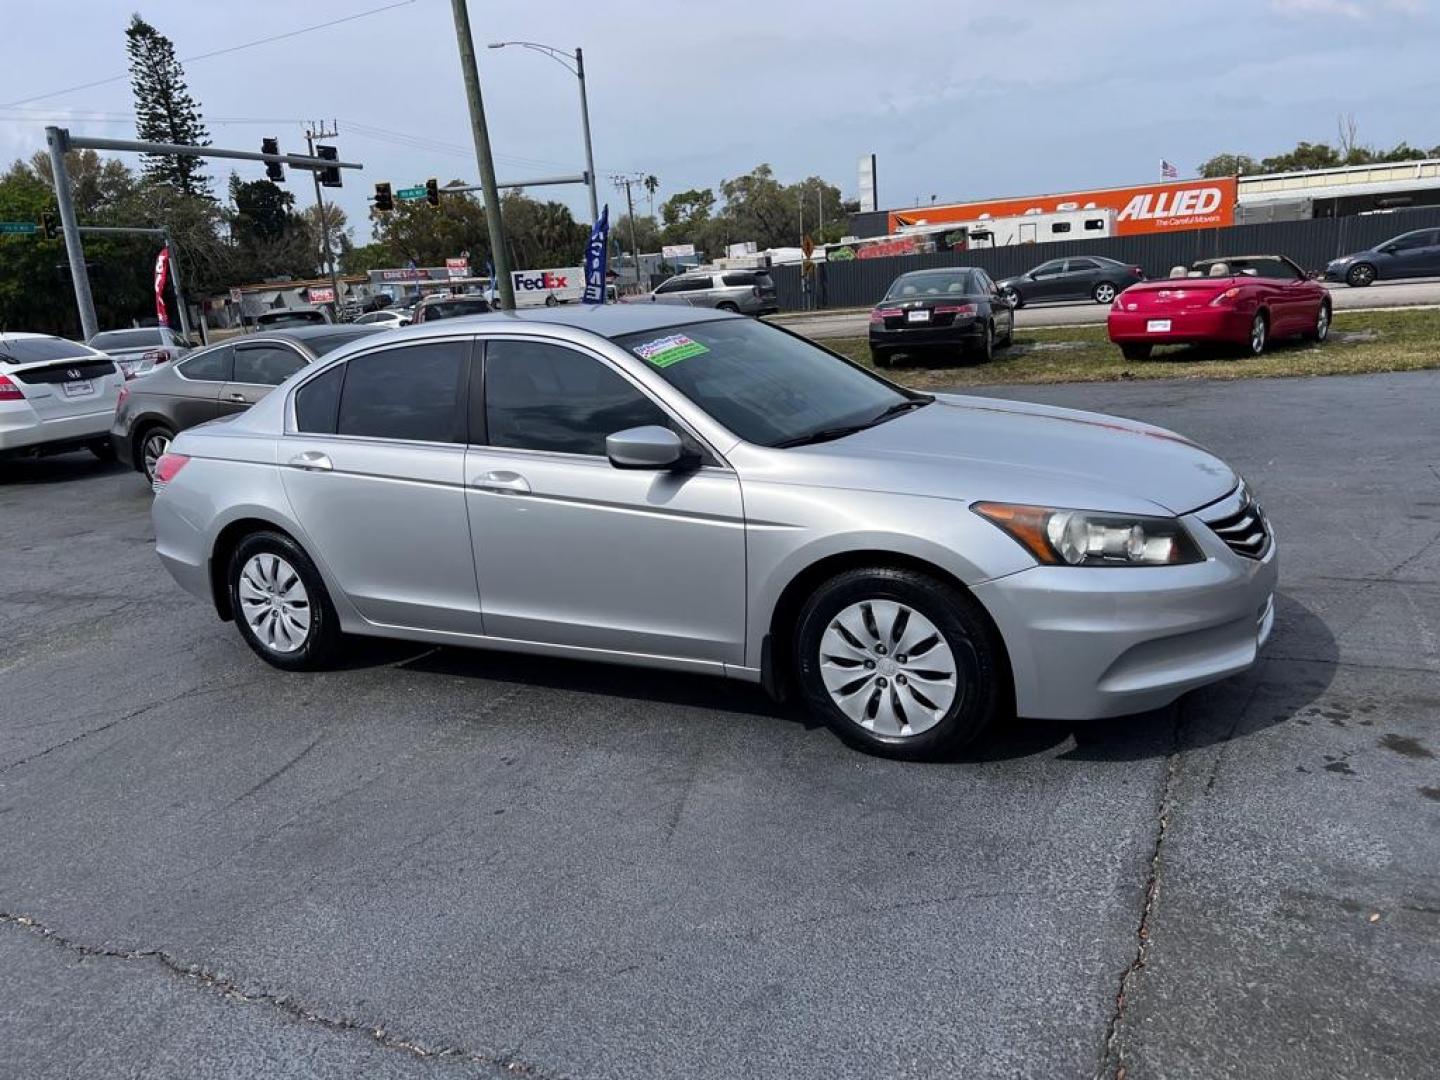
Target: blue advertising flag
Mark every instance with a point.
(595, 255)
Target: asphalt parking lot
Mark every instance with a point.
(438, 863)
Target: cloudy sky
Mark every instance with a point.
(958, 99)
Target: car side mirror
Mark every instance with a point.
(1388, 249)
(648, 447)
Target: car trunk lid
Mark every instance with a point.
(1173, 294)
(66, 387)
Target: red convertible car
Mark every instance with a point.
(1244, 301)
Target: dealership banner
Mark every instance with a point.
(1146, 208)
(596, 252)
(162, 274)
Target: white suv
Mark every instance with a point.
(55, 395)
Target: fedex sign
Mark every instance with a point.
(543, 280)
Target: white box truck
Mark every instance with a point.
(565, 285)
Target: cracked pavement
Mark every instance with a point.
(441, 863)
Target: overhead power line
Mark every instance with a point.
(220, 52)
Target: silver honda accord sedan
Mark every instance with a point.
(707, 493)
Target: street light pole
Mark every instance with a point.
(585, 124)
(499, 253)
(59, 140)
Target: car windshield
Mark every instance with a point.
(127, 339)
(918, 286)
(763, 384)
(38, 349)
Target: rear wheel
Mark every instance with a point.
(550, 301)
(1104, 293)
(881, 358)
(1135, 352)
(280, 603)
(1259, 334)
(152, 446)
(985, 351)
(898, 663)
(1360, 275)
(727, 306)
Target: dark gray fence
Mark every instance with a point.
(1311, 243)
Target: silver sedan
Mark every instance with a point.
(707, 493)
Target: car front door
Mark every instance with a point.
(373, 461)
(1080, 278)
(259, 367)
(1046, 281)
(570, 550)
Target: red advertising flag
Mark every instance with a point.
(162, 274)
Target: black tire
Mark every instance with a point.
(727, 306)
(1259, 335)
(323, 639)
(882, 358)
(143, 447)
(1321, 329)
(985, 351)
(981, 689)
(1135, 352)
(1009, 338)
(1018, 300)
(550, 301)
(102, 449)
(1360, 275)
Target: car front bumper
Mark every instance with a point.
(1205, 324)
(1087, 643)
(968, 332)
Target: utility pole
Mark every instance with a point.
(499, 251)
(59, 140)
(626, 182)
(311, 134)
(585, 123)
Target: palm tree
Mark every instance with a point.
(652, 185)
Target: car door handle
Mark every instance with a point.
(312, 461)
(504, 481)
(236, 397)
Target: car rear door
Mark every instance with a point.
(1079, 279)
(373, 461)
(193, 395)
(572, 551)
(259, 367)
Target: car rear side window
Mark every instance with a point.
(547, 397)
(266, 365)
(739, 279)
(318, 402)
(213, 365)
(411, 392)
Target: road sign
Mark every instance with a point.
(18, 228)
(410, 194)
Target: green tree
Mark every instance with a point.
(646, 234)
(428, 235)
(164, 110)
(1228, 165)
(685, 213)
(541, 234)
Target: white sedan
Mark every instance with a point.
(388, 319)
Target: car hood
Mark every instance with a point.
(974, 448)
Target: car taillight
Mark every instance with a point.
(1138, 271)
(957, 309)
(755, 289)
(1229, 296)
(120, 401)
(9, 391)
(881, 314)
(156, 356)
(168, 467)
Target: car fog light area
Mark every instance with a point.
(1083, 538)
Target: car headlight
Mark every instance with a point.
(1060, 537)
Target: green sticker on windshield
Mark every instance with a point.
(669, 350)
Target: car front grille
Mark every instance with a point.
(1239, 521)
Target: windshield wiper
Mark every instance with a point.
(839, 432)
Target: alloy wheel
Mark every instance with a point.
(152, 450)
(888, 668)
(1322, 323)
(1104, 293)
(1362, 274)
(1257, 335)
(274, 602)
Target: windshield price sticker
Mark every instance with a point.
(669, 350)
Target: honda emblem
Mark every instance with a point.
(73, 373)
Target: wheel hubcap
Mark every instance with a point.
(1322, 323)
(274, 603)
(888, 668)
(153, 450)
(1105, 293)
(1257, 335)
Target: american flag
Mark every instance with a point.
(1168, 171)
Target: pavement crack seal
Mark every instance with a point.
(231, 991)
(1112, 1050)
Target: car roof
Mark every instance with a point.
(305, 333)
(938, 270)
(607, 320)
(21, 335)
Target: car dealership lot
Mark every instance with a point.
(564, 870)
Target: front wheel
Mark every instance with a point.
(280, 603)
(1135, 352)
(1321, 330)
(1104, 293)
(898, 663)
(1360, 275)
(550, 301)
(1016, 300)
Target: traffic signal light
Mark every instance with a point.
(432, 191)
(49, 225)
(273, 169)
(384, 200)
(329, 177)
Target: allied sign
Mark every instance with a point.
(1146, 208)
(410, 194)
(18, 228)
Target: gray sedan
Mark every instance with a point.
(706, 493)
